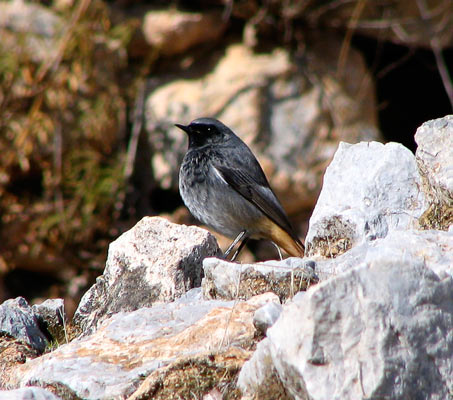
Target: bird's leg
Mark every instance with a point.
(279, 251)
(244, 241)
(238, 238)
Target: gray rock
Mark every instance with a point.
(154, 261)
(38, 25)
(172, 31)
(259, 379)
(27, 393)
(433, 247)
(369, 190)
(29, 18)
(51, 312)
(226, 280)
(266, 316)
(113, 361)
(434, 157)
(379, 330)
(18, 320)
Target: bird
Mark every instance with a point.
(223, 186)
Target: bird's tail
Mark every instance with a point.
(288, 242)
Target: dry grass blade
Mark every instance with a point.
(346, 45)
(52, 64)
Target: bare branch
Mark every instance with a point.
(437, 51)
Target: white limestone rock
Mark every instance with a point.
(27, 393)
(227, 280)
(154, 261)
(369, 190)
(114, 360)
(435, 158)
(266, 316)
(380, 327)
(432, 247)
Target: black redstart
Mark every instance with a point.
(223, 186)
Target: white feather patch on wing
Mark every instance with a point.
(219, 174)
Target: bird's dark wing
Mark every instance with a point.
(258, 193)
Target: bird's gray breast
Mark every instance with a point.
(211, 199)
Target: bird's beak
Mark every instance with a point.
(183, 127)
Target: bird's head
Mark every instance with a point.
(204, 131)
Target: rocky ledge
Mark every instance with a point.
(368, 313)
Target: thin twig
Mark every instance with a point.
(291, 288)
(327, 7)
(228, 10)
(137, 125)
(437, 51)
(346, 45)
(384, 71)
(443, 70)
(58, 172)
(53, 63)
